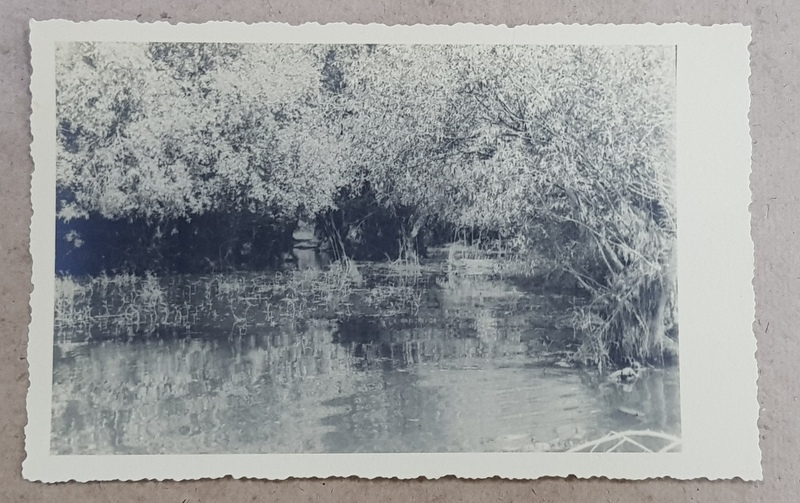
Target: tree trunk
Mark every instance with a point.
(668, 349)
(409, 232)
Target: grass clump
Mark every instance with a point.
(127, 305)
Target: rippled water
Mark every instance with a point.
(465, 372)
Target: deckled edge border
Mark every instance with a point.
(36, 372)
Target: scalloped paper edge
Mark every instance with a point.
(719, 374)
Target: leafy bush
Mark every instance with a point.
(190, 157)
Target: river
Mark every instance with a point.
(442, 360)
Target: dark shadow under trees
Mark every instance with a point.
(186, 158)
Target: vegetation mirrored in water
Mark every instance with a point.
(448, 355)
(337, 247)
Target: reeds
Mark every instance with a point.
(616, 324)
(124, 305)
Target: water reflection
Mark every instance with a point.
(459, 374)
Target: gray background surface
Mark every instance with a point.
(776, 202)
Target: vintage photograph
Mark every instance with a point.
(275, 251)
(322, 248)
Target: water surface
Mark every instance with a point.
(444, 361)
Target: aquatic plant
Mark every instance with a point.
(126, 305)
(73, 311)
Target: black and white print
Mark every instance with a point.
(364, 248)
(332, 246)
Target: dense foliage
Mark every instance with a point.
(563, 152)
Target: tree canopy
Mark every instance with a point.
(569, 150)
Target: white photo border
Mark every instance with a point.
(718, 371)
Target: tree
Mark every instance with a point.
(570, 150)
(407, 129)
(171, 130)
(593, 130)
